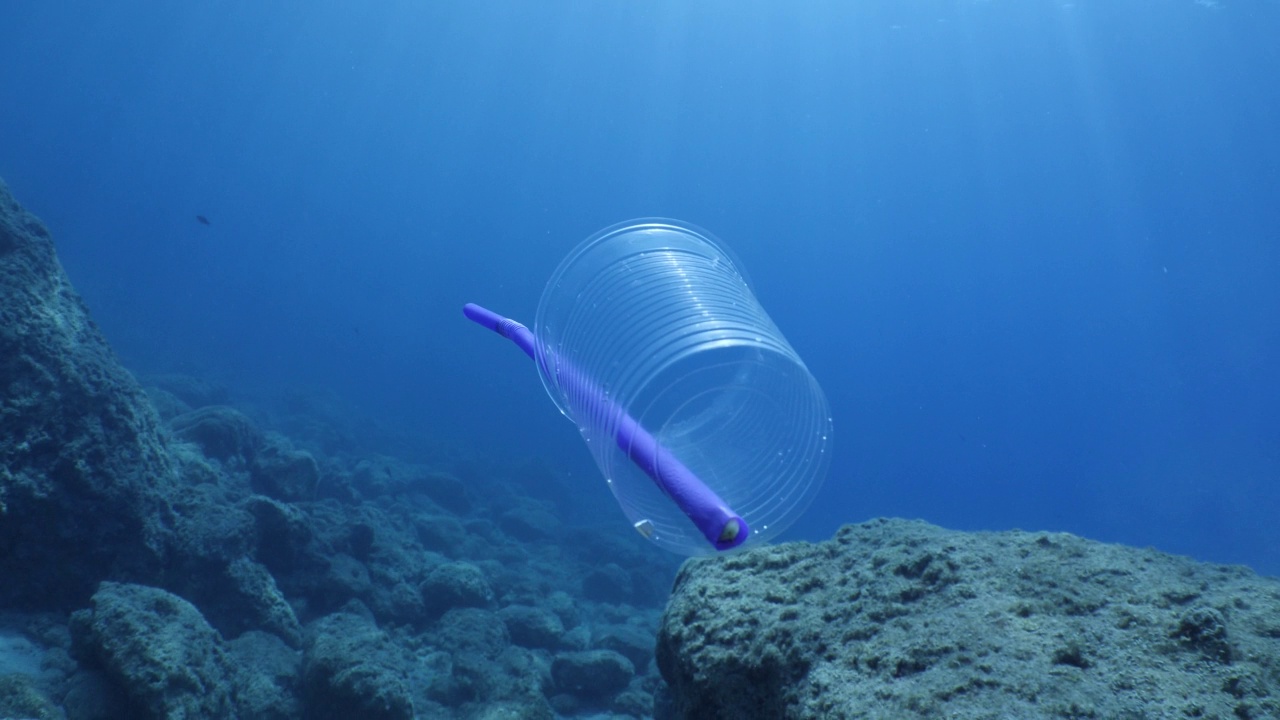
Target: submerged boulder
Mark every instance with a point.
(158, 648)
(353, 670)
(592, 674)
(282, 472)
(221, 432)
(901, 619)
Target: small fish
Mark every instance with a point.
(203, 220)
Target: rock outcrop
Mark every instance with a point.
(901, 620)
(205, 566)
(84, 474)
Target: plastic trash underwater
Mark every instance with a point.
(707, 426)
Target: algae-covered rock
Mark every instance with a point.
(223, 433)
(282, 472)
(903, 620)
(269, 672)
(20, 698)
(158, 648)
(352, 670)
(84, 474)
(592, 674)
(456, 585)
(532, 627)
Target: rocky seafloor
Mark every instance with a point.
(162, 555)
(167, 551)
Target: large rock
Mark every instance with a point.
(592, 674)
(902, 620)
(84, 474)
(532, 627)
(353, 670)
(269, 672)
(160, 650)
(455, 585)
(222, 432)
(279, 471)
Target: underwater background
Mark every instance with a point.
(1031, 250)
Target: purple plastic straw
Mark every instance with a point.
(722, 527)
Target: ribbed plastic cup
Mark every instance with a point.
(663, 320)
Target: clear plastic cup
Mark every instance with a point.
(663, 321)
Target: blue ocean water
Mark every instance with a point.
(1030, 249)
